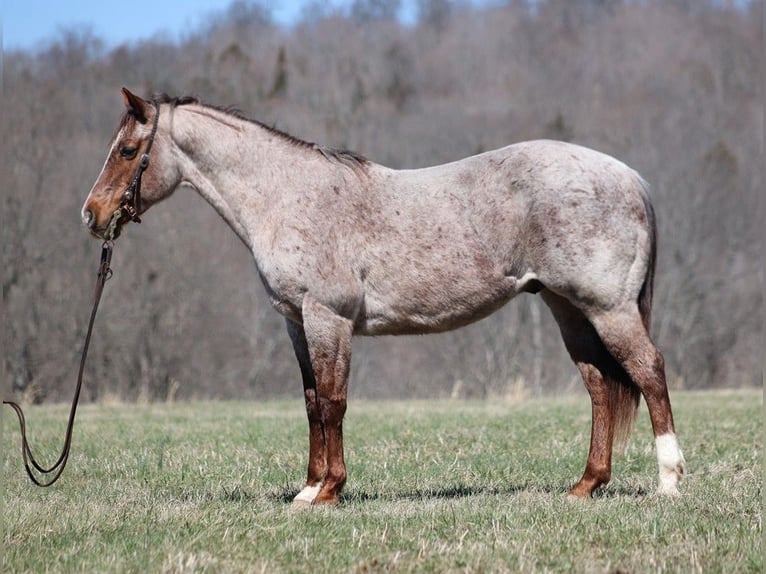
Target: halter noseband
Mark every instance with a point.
(130, 205)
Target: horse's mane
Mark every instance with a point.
(346, 157)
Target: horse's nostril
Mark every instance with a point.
(88, 218)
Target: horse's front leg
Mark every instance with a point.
(317, 465)
(328, 342)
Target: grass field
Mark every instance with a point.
(433, 487)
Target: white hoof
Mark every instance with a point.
(668, 490)
(306, 496)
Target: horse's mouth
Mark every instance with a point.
(102, 233)
(112, 229)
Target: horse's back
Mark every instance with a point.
(460, 236)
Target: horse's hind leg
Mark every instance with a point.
(613, 398)
(627, 339)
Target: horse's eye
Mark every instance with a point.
(128, 152)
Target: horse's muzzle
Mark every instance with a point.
(106, 232)
(88, 218)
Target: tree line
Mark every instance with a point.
(670, 87)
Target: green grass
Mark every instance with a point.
(433, 487)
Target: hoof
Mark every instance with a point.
(670, 478)
(581, 491)
(575, 497)
(306, 497)
(326, 501)
(668, 490)
(328, 496)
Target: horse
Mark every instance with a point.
(345, 246)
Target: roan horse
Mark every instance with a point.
(348, 247)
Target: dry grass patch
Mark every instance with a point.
(440, 487)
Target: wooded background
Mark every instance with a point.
(671, 87)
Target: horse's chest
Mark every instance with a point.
(332, 282)
(284, 290)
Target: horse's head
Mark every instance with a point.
(137, 172)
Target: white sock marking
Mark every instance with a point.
(308, 494)
(671, 462)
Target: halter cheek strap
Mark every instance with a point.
(131, 199)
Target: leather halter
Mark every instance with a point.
(130, 206)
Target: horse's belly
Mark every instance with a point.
(419, 307)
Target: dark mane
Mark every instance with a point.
(346, 157)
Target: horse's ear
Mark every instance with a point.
(136, 106)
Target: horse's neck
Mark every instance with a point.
(243, 170)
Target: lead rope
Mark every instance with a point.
(104, 273)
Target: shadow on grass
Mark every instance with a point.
(286, 494)
(447, 493)
(465, 491)
(237, 494)
(622, 492)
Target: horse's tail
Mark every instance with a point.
(623, 402)
(647, 289)
(624, 395)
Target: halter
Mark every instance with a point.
(130, 205)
